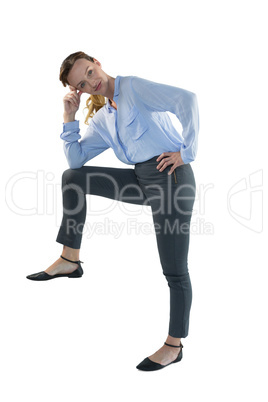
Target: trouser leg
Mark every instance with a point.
(172, 202)
(114, 183)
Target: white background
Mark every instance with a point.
(81, 340)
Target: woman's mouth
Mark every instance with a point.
(98, 87)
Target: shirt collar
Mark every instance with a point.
(116, 92)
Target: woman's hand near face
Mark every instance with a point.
(71, 102)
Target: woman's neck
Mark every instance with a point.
(110, 91)
(113, 104)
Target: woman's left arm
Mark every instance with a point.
(183, 104)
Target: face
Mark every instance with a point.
(86, 76)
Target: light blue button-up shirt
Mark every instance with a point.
(140, 128)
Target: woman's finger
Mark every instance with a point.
(71, 100)
(164, 165)
(164, 154)
(164, 160)
(73, 97)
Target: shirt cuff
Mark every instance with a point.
(71, 125)
(71, 131)
(186, 159)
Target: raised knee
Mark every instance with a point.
(68, 176)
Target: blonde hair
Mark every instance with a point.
(94, 102)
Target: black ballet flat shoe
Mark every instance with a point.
(149, 365)
(44, 276)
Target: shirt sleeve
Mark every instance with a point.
(182, 103)
(80, 152)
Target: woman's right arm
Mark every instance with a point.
(91, 145)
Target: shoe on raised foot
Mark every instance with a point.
(44, 276)
(149, 365)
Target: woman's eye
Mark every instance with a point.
(89, 72)
(82, 85)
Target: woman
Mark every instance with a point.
(134, 123)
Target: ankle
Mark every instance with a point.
(173, 341)
(70, 253)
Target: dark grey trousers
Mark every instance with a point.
(171, 198)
